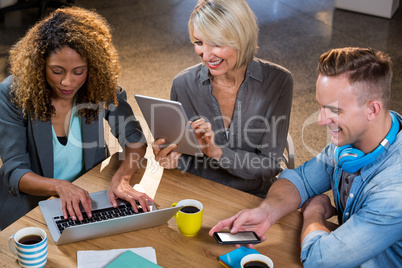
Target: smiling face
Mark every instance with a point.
(346, 120)
(219, 60)
(66, 73)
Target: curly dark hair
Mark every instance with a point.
(86, 32)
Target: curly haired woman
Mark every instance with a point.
(63, 84)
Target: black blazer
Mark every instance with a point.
(26, 146)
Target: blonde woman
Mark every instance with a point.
(63, 84)
(239, 105)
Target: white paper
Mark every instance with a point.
(101, 258)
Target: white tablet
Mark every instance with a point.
(167, 119)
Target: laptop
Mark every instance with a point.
(167, 119)
(105, 219)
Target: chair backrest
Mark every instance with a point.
(289, 155)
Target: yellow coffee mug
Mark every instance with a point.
(189, 217)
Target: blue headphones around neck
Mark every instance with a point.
(351, 159)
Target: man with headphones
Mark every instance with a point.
(362, 165)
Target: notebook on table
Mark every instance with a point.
(233, 258)
(105, 219)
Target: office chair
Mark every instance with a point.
(41, 4)
(289, 155)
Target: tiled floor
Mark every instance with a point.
(152, 40)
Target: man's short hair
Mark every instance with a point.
(368, 70)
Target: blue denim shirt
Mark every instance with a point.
(371, 232)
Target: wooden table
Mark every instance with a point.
(172, 249)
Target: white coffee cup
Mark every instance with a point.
(30, 246)
(258, 258)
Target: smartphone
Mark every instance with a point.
(246, 237)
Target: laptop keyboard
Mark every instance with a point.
(97, 215)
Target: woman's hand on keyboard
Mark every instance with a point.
(123, 190)
(71, 196)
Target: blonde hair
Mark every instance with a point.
(89, 35)
(226, 23)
